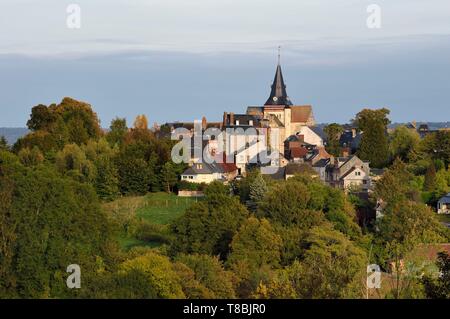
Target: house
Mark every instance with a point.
(443, 205)
(209, 172)
(344, 172)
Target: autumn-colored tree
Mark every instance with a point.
(141, 122)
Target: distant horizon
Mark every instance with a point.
(158, 58)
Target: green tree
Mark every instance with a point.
(50, 222)
(72, 161)
(41, 118)
(439, 287)
(256, 243)
(258, 189)
(31, 157)
(255, 251)
(333, 132)
(148, 276)
(430, 178)
(117, 132)
(3, 144)
(210, 273)
(107, 180)
(403, 143)
(208, 227)
(374, 145)
(169, 176)
(332, 267)
(397, 184)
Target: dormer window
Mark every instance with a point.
(199, 166)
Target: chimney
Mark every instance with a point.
(231, 118)
(225, 118)
(345, 152)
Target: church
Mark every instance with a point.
(278, 112)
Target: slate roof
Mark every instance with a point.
(322, 162)
(210, 168)
(278, 94)
(445, 199)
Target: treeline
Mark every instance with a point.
(121, 161)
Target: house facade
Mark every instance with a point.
(443, 205)
(344, 172)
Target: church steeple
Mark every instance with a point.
(278, 95)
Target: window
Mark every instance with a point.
(250, 122)
(191, 177)
(358, 173)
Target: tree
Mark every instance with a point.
(258, 189)
(72, 161)
(256, 243)
(141, 122)
(134, 176)
(436, 145)
(430, 178)
(117, 132)
(3, 144)
(403, 143)
(107, 180)
(374, 145)
(50, 222)
(439, 288)
(255, 250)
(208, 227)
(169, 176)
(333, 132)
(149, 276)
(54, 126)
(332, 267)
(410, 223)
(41, 118)
(396, 184)
(31, 157)
(210, 273)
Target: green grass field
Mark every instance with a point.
(156, 208)
(162, 208)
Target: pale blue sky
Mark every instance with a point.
(181, 59)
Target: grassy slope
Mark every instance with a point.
(156, 208)
(162, 208)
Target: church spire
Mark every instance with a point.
(278, 94)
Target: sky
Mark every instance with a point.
(179, 60)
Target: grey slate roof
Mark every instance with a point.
(203, 168)
(278, 94)
(445, 199)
